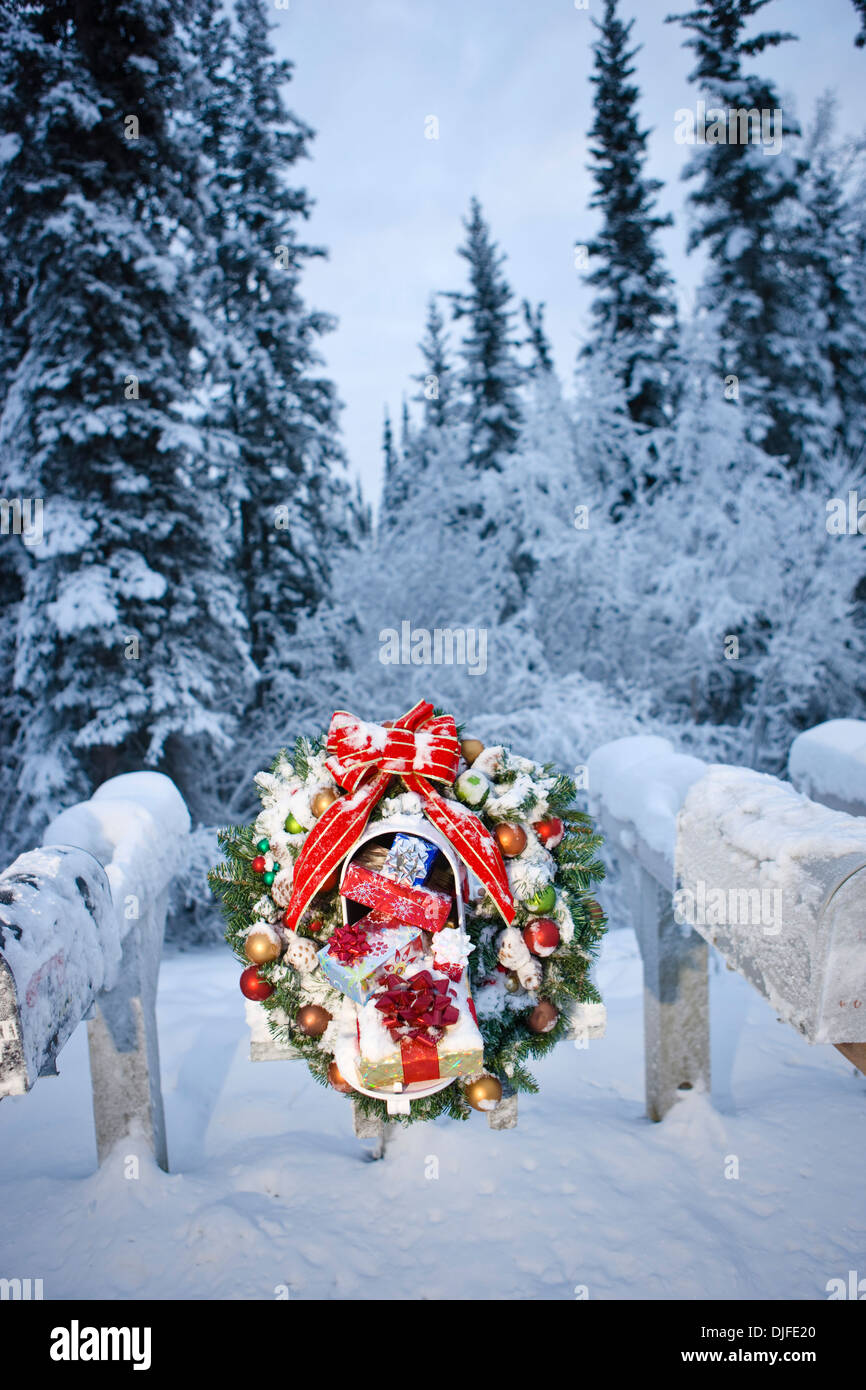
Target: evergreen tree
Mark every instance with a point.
(437, 379)
(633, 289)
(393, 484)
(743, 201)
(389, 453)
(829, 264)
(614, 448)
(130, 642)
(490, 374)
(536, 339)
(406, 447)
(860, 7)
(266, 390)
(14, 280)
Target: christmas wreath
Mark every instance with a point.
(414, 911)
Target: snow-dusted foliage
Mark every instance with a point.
(164, 424)
(667, 540)
(718, 599)
(129, 628)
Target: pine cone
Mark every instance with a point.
(281, 888)
(529, 974)
(301, 953)
(513, 951)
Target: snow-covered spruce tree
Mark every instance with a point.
(405, 482)
(828, 260)
(489, 374)
(130, 640)
(633, 303)
(394, 483)
(725, 597)
(436, 382)
(682, 584)
(537, 341)
(743, 201)
(14, 284)
(614, 447)
(267, 390)
(14, 97)
(450, 551)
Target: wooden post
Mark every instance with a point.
(855, 1053)
(676, 998)
(505, 1114)
(369, 1127)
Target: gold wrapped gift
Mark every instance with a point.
(385, 1063)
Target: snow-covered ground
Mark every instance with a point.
(270, 1188)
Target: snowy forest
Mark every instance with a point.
(669, 537)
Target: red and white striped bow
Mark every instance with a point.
(364, 759)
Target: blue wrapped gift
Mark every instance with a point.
(357, 957)
(409, 860)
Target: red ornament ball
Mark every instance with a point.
(550, 832)
(338, 1080)
(330, 883)
(541, 936)
(543, 1017)
(253, 986)
(258, 864)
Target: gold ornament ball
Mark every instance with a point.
(512, 983)
(543, 1017)
(485, 1093)
(261, 948)
(511, 839)
(471, 748)
(312, 1020)
(338, 1080)
(322, 800)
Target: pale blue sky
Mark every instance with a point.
(508, 82)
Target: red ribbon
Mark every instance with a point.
(364, 759)
(349, 944)
(419, 1008)
(417, 1012)
(419, 1060)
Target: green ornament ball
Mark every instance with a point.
(545, 901)
(472, 788)
(293, 826)
(263, 846)
(270, 875)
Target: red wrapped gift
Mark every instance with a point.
(418, 1028)
(414, 907)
